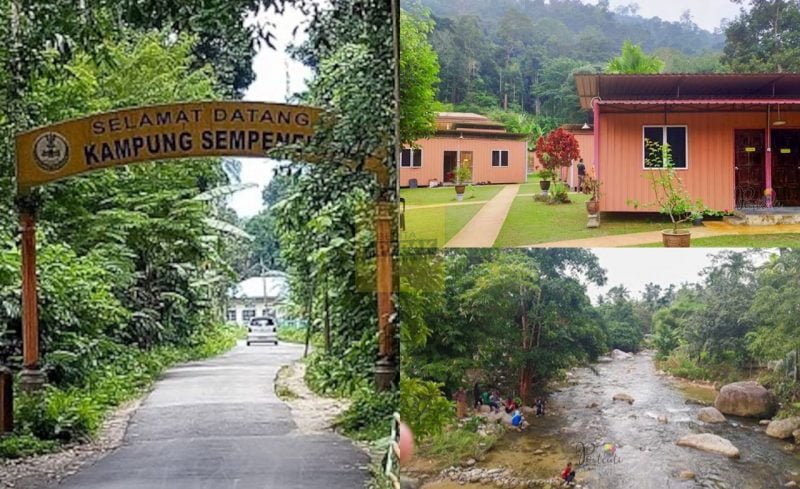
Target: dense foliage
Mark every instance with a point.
(419, 76)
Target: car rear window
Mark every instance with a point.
(263, 322)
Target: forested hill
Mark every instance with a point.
(525, 51)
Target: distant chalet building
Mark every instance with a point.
(256, 296)
(735, 138)
(465, 139)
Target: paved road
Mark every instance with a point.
(217, 424)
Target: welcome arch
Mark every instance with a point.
(173, 131)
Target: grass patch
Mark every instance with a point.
(436, 226)
(454, 445)
(285, 393)
(744, 241)
(447, 195)
(530, 223)
(47, 419)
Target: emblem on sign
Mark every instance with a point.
(51, 151)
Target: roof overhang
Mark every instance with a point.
(689, 90)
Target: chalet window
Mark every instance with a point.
(411, 158)
(499, 157)
(230, 315)
(674, 136)
(247, 315)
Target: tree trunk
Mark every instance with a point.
(327, 318)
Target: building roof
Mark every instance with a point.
(689, 89)
(253, 288)
(470, 125)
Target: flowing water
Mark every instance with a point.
(645, 455)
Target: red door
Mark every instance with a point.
(786, 167)
(749, 164)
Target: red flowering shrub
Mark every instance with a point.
(561, 149)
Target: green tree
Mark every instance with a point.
(633, 60)
(419, 77)
(624, 327)
(765, 38)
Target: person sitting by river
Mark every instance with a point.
(476, 394)
(518, 421)
(511, 405)
(568, 474)
(486, 400)
(539, 407)
(495, 401)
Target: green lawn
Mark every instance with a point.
(744, 241)
(530, 222)
(447, 195)
(436, 225)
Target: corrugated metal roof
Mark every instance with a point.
(680, 86)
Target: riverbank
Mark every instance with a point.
(610, 441)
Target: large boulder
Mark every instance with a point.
(783, 428)
(710, 443)
(710, 415)
(796, 435)
(620, 355)
(621, 396)
(748, 399)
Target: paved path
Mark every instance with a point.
(217, 424)
(482, 230)
(710, 229)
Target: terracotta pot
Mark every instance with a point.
(681, 239)
(593, 207)
(544, 184)
(460, 189)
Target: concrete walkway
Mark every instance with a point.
(217, 424)
(709, 230)
(482, 230)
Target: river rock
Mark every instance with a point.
(604, 360)
(710, 443)
(765, 422)
(747, 399)
(621, 396)
(790, 484)
(710, 415)
(783, 428)
(686, 475)
(796, 435)
(663, 419)
(620, 355)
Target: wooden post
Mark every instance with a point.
(32, 378)
(385, 368)
(6, 401)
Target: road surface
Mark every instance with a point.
(217, 424)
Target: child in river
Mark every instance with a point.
(568, 475)
(539, 407)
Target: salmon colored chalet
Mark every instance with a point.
(735, 138)
(464, 139)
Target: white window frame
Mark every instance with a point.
(411, 160)
(228, 315)
(246, 320)
(501, 151)
(664, 137)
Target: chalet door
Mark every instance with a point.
(749, 166)
(450, 165)
(786, 167)
(466, 160)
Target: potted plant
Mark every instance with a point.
(591, 186)
(545, 176)
(670, 197)
(557, 149)
(462, 175)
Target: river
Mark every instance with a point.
(646, 456)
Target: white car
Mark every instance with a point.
(262, 329)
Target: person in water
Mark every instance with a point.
(476, 394)
(568, 474)
(539, 407)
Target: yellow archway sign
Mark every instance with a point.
(160, 132)
(172, 131)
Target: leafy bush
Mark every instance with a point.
(342, 375)
(559, 193)
(24, 446)
(369, 417)
(452, 447)
(423, 407)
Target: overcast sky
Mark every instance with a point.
(635, 267)
(708, 14)
(271, 68)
